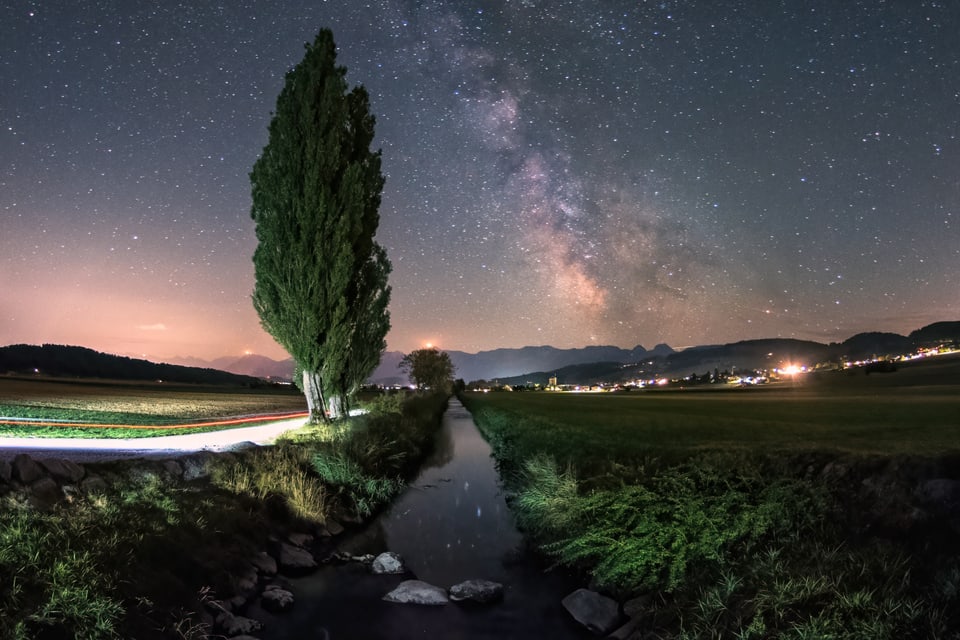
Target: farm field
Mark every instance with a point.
(112, 405)
(913, 411)
(800, 510)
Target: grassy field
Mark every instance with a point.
(109, 405)
(715, 505)
(913, 411)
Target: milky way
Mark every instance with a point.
(557, 173)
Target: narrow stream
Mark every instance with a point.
(450, 525)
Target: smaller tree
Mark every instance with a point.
(429, 369)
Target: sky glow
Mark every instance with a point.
(564, 173)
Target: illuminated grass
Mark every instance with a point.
(132, 560)
(115, 410)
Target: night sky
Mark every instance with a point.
(563, 173)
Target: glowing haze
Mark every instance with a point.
(563, 173)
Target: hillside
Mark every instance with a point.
(80, 362)
(511, 366)
(744, 355)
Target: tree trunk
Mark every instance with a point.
(313, 390)
(338, 406)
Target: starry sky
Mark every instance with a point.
(557, 172)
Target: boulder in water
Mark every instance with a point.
(482, 591)
(417, 592)
(596, 612)
(387, 563)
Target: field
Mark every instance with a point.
(118, 409)
(795, 510)
(915, 410)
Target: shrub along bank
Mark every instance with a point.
(744, 544)
(134, 548)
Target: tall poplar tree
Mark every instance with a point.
(321, 279)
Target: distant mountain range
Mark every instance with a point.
(747, 355)
(526, 364)
(588, 364)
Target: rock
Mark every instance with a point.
(276, 599)
(386, 563)
(173, 468)
(300, 539)
(236, 603)
(596, 612)
(482, 591)
(340, 556)
(940, 492)
(636, 606)
(144, 474)
(25, 469)
(71, 492)
(333, 527)
(264, 563)
(233, 626)
(44, 493)
(366, 558)
(626, 631)
(6, 471)
(64, 470)
(246, 583)
(238, 447)
(195, 466)
(93, 485)
(417, 592)
(294, 560)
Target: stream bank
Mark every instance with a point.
(450, 525)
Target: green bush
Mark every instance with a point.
(650, 536)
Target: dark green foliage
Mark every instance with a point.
(321, 279)
(367, 464)
(429, 369)
(647, 536)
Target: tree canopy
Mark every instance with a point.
(321, 279)
(429, 369)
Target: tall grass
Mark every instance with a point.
(137, 558)
(653, 536)
(276, 471)
(726, 544)
(51, 580)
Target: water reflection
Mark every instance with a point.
(452, 524)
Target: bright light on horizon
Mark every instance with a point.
(792, 369)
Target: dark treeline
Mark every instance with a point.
(80, 362)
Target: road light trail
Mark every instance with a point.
(190, 425)
(102, 449)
